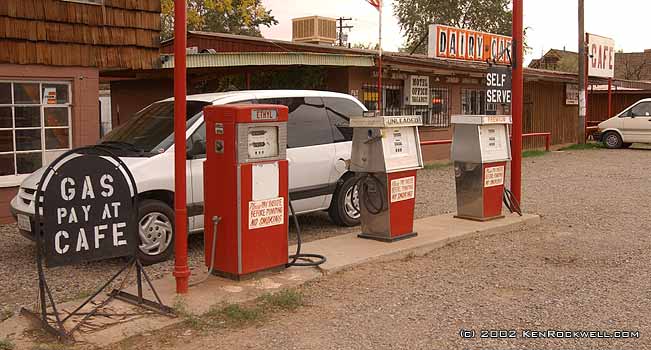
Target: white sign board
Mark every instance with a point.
(494, 142)
(401, 149)
(494, 176)
(571, 94)
(403, 189)
(267, 212)
(601, 56)
(417, 90)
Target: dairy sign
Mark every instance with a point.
(466, 44)
(87, 212)
(601, 56)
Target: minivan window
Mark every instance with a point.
(150, 129)
(308, 123)
(641, 110)
(340, 110)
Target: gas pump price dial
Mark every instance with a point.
(263, 142)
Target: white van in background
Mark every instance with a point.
(319, 143)
(632, 125)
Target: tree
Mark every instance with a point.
(224, 16)
(415, 16)
(632, 64)
(366, 46)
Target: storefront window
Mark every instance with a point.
(370, 97)
(440, 115)
(34, 127)
(473, 101)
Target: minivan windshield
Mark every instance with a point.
(151, 129)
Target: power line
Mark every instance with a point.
(341, 27)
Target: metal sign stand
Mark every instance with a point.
(43, 317)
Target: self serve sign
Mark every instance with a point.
(498, 85)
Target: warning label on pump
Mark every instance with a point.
(266, 212)
(402, 189)
(494, 176)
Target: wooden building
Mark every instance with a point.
(455, 87)
(51, 56)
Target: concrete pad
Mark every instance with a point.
(433, 232)
(341, 251)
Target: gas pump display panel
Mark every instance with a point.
(399, 146)
(493, 142)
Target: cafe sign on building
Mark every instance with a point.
(601, 56)
(465, 44)
(417, 90)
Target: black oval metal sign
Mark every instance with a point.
(87, 212)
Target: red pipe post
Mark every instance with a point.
(181, 269)
(610, 98)
(517, 101)
(548, 142)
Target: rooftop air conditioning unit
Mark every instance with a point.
(314, 30)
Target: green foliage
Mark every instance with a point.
(223, 16)
(284, 300)
(6, 344)
(414, 17)
(237, 315)
(589, 145)
(240, 314)
(533, 153)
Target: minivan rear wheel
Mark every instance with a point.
(156, 231)
(344, 208)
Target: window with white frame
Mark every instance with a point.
(35, 127)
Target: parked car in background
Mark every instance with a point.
(632, 125)
(318, 146)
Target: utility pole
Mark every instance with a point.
(341, 28)
(517, 87)
(582, 75)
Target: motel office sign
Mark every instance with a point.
(87, 212)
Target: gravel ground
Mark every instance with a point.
(18, 284)
(584, 268)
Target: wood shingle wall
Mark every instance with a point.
(117, 34)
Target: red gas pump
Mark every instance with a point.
(245, 189)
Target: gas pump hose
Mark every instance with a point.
(511, 202)
(215, 221)
(302, 259)
(364, 180)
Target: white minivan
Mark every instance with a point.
(632, 125)
(318, 147)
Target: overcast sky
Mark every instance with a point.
(553, 23)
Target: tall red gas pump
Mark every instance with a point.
(245, 189)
